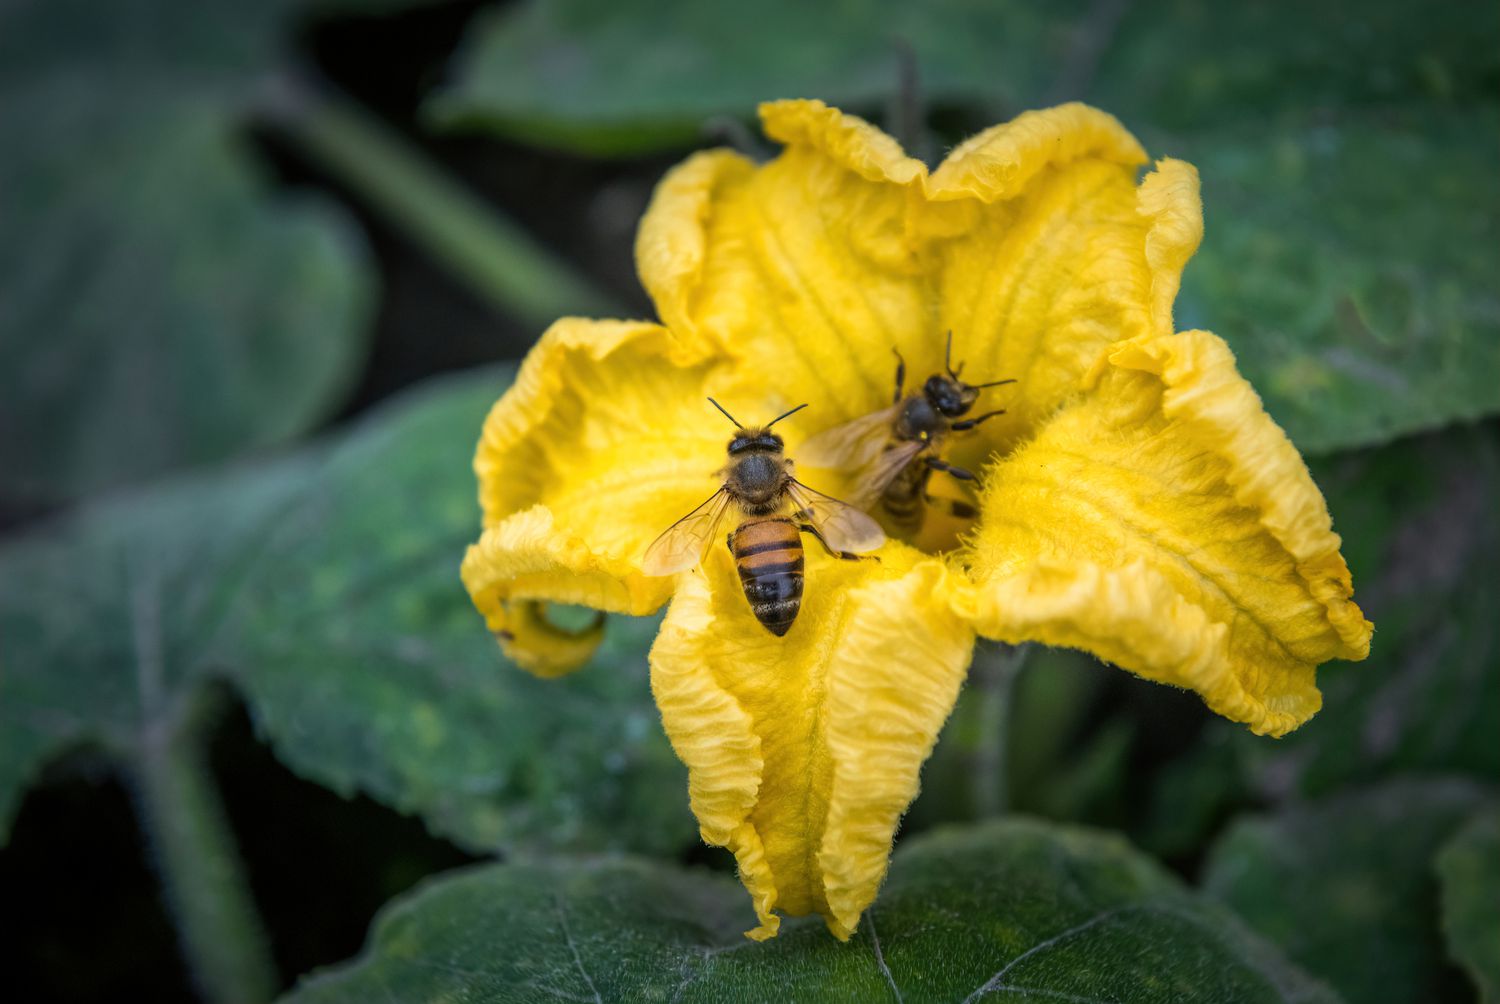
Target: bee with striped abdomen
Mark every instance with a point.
(775, 509)
(893, 452)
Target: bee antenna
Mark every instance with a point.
(948, 356)
(785, 414)
(993, 383)
(727, 415)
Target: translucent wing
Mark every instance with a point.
(851, 445)
(871, 482)
(682, 545)
(843, 527)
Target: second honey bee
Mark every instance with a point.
(774, 510)
(894, 451)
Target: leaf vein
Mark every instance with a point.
(562, 917)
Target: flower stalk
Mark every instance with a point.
(493, 255)
(207, 892)
(994, 673)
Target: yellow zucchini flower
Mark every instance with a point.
(1135, 501)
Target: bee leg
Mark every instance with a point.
(900, 376)
(969, 423)
(957, 472)
(807, 527)
(956, 508)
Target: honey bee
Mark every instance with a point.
(767, 542)
(894, 451)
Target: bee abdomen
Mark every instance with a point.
(903, 498)
(768, 555)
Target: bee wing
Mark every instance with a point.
(682, 545)
(853, 444)
(844, 527)
(873, 480)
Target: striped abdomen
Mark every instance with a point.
(768, 553)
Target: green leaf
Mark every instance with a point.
(1353, 229)
(1351, 223)
(1345, 886)
(1356, 323)
(1416, 518)
(162, 306)
(1009, 911)
(603, 77)
(324, 588)
(1469, 871)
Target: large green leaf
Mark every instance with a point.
(1353, 224)
(1346, 886)
(1469, 871)
(1417, 522)
(606, 77)
(1012, 911)
(324, 587)
(162, 307)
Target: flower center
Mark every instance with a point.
(913, 465)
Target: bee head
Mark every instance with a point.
(950, 396)
(758, 439)
(761, 440)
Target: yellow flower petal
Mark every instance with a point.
(1032, 243)
(672, 247)
(802, 269)
(1062, 253)
(847, 141)
(536, 644)
(1000, 163)
(803, 751)
(604, 440)
(1165, 523)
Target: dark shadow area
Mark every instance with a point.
(80, 913)
(428, 321)
(80, 917)
(320, 865)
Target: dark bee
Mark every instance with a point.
(894, 451)
(775, 509)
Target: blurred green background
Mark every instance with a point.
(264, 266)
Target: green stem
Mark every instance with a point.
(497, 258)
(996, 667)
(218, 927)
(906, 113)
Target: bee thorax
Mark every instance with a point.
(757, 480)
(918, 419)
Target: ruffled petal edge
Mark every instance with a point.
(1132, 615)
(998, 163)
(1204, 390)
(845, 139)
(524, 561)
